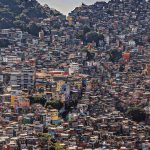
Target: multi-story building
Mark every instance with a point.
(73, 68)
(25, 79)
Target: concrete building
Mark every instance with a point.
(73, 68)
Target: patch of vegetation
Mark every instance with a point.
(136, 113)
(4, 43)
(37, 99)
(22, 13)
(55, 104)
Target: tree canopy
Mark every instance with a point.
(94, 36)
(37, 99)
(136, 113)
(33, 29)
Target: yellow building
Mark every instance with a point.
(70, 20)
(13, 100)
(59, 85)
(54, 114)
(78, 84)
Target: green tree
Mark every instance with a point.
(136, 113)
(34, 29)
(44, 135)
(115, 55)
(23, 17)
(79, 36)
(94, 36)
(57, 25)
(37, 99)
(4, 43)
(55, 104)
(86, 29)
(41, 90)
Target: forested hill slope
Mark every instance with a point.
(19, 13)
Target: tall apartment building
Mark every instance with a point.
(25, 79)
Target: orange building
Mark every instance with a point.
(126, 56)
